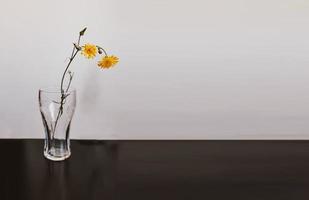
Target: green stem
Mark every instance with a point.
(70, 81)
(100, 48)
(62, 91)
(65, 71)
(74, 53)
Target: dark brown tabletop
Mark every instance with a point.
(146, 170)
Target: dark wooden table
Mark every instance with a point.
(163, 170)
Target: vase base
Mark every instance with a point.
(54, 155)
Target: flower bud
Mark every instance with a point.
(82, 32)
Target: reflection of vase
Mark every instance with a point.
(57, 110)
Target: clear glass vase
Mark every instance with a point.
(57, 109)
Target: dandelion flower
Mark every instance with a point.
(108, 62)
(89, 50)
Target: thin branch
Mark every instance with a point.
(100, 48)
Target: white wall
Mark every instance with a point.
(198, 69)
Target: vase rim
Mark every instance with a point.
(56, 89)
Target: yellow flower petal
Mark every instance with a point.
(89, 50)
(108, 62)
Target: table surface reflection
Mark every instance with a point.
(249, 170)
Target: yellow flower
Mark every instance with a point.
(108, 62)
(89, 50)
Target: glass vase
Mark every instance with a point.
(57, 110)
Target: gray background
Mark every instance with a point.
(188, 69)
